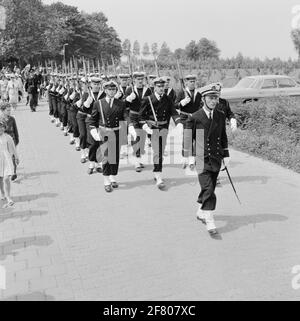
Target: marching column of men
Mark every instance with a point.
(100, 115)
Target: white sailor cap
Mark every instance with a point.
(211, 89)
(190, 77)
(138, 74)
(110, 84)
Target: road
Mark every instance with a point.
(67, 239)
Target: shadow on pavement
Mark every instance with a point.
(34, 296)
(33, 197)
(23, 215)
(248, 179)
(37, 174)
(11, 247)
(235, 222)
(170, 182)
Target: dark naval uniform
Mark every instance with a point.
(211, 147)
(190, 108)
(109, 126)
(134, 109)
(164, 109)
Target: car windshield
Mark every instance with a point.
(245, 83)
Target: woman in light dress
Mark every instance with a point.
(3, 87)
(7, 152)
(13, 88)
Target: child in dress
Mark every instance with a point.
(11, 129)
(7, 151)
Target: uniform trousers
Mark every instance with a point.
(110, 150)
(55, 107)
(73, 121)
(207, 196)
(50, 105)
(33, 100)
(158, 143)
(138, 145)
(63, 113)
(82, 129)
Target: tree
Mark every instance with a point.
(146, 50)
(208, 49)
(136, 48)
(179, 53)
(192, 51)
(164, 52)
(295, 34)
(154, 50)
(25, 26)
(126, 47)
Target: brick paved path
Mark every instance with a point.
(67, 239)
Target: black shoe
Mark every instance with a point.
(72, 142)
(161, 186)
(213, 232)
(78, 149)
(65, 134)
(99, 169)
(192, 167)
(138, 169)
(142, 165)
(52, 120)
(202, 220)
(83, 160)
(108, 188)
(90, 171)
(114, 185)
(14, 177)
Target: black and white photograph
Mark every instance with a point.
(149, 151)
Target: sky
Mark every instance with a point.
(256, 28)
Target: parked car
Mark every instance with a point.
(261, 86)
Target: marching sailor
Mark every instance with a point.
(209, 127)
(134, 97)
(188, 102)
(95, 94)
(155, 115)
(104, 126)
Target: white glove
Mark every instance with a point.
(132, 132)
(62, 91)
(66, 96)
(233, 124)
(225, 162)
(95, 134)
(88, 102)
(118, 95)
(79, 103)
(185, 101)
(147, 129)
(131, 97)
(72, 96)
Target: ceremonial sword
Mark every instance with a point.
(226, 169)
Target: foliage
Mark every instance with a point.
(270, 128)
(35, 32)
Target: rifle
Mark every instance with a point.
(181, 79)
(131, 74)
(115, 69)
(156, 67)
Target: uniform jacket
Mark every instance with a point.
(170, 92)
(164, 109)
(193, 106)
(211, 139)
(135, 105)
(112, 115)
(225, 107)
